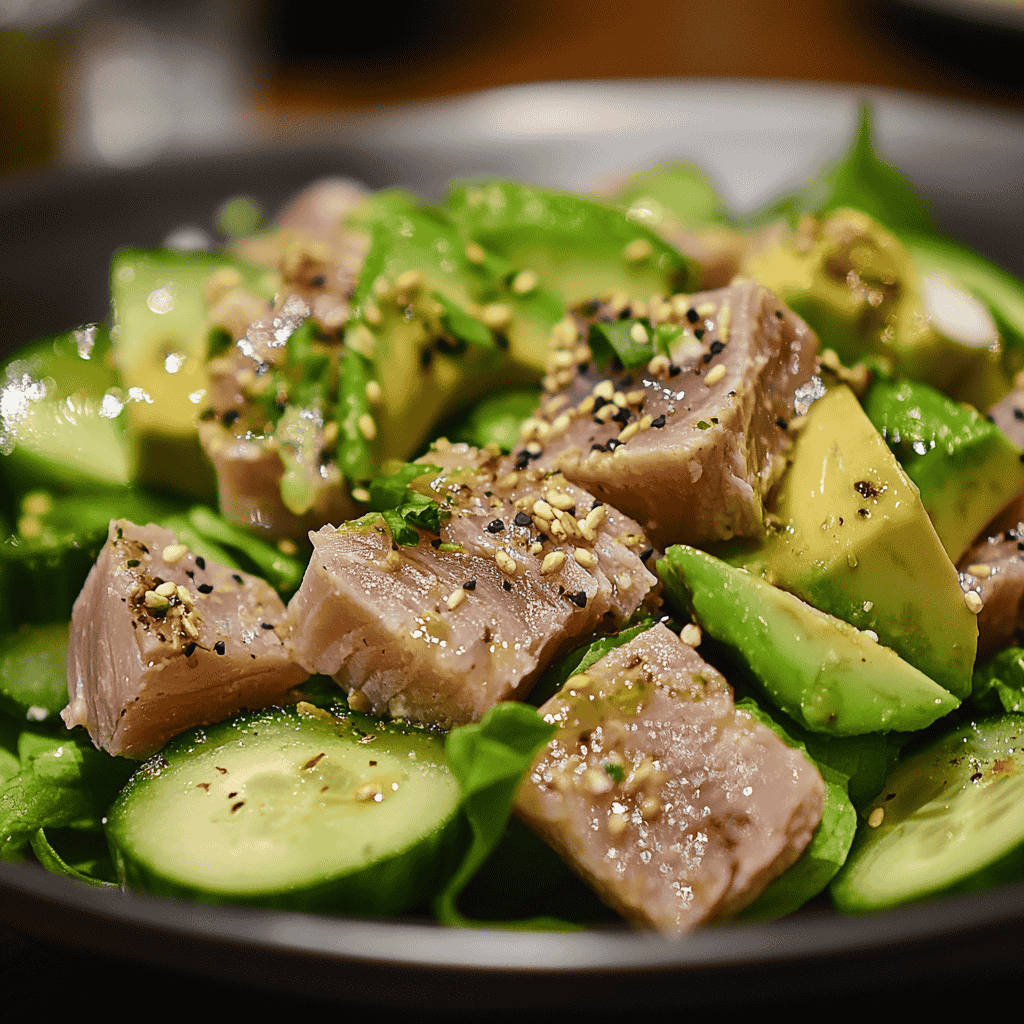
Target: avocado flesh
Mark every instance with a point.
(824, 673)
(860, 289)
(160, 346)
(857, 543)
(433, 352)
(964, 466)
(575, 247)
(56, 428)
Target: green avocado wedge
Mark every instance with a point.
(298, 808)
(948, 820)
(824, 673)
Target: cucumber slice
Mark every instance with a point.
(297, 808)
(951, 821)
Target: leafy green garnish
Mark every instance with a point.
(460, 325)
(490, 759)
(828, 849)
(355, 455)
(863, 181)
(627, 340)
(33, 672)
(999, 683)
(405, 510)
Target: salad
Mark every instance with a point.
(303, 376)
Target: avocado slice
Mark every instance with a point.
(964, 466)
(574, 246)
(60, 425)
(431, 325)
(824, 673)
(856, 542)
(160, 339)
(863, 292)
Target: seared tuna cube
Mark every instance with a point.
(688, 443)
(441, 630)
(673, 804)
(992, 577)
(163, 640)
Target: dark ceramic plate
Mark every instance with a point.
(59, 231)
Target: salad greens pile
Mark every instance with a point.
(56, 789)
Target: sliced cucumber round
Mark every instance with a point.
(296, 808)
(950, 819)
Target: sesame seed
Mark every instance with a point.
(658, 365)
(553, 561)
(639, 334)
(980, 570)
(374, 393)
(495, 526)
(190, 628)
(367, 426)
(585, 557)
(469, 585)
(200, 562)
(627, 433)
(496, 315)
(691, 635)
(875, 817)
(205, 588)
(597, 782)
(715, 374)
(973, 601)
(456, 598)
(475, 253)
(578, 599)
(408, 281)
(561, 358)
(155, 602)
(635, 397)
(560, 500)
(605, 389)
(361, 494)
(381, 287)
(219, 647)
(506, 563)
(522, 519)
(174, 553)
(542, 510)
(185, 598)
(371, 314)
(167, 589)
(524, 282)
(637, 251)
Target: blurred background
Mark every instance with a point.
(122, 82)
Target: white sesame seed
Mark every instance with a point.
(155, 601)
(691, 635)
(973, 601)
(553, 561)
(559, 499)
(371, 314)
(628, 432)
(605, 389)
(496, 315)
(475, 253)
(606, 412)
(367, 426)
(639, 334)
(174, 553)
(596, 781)
(408, 281)
(980, 570)
(185, 598)
(456, 598)
(637, 250)
(715, 374)
(361, 494)
(167, 589)
(585, 557)
(659, 365)
(374, 393)
(506, 563)
(875, 817)
(524, 282)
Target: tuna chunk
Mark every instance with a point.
(993, 568)
(162, 640)
(442, 630)
(276, 474)
(674, 805)
(688, 444)
(1008, 416)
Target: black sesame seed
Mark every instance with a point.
(426, 358)
(579, 599)
(599, 402)
(435, 543)
(781, 423)
(674, 371)
(623, 416)
(200, 561)
(238, 579)
(266, 625)
(613, 444)
(208, 414)
(658, 421)
(707, 357)
(626, 313)
(778, 313)
(219, 647)
(698, 333)
(597, 504)
(644, 555)
(205, 588)
(495, 526)
(1018, 414)
(691, 315)
(189, 650)
(469, 585)
(522, 459)
(597, 448)
(522, 519)
(230, 417)
(318, 281)
(190, 574)
(505, 585)
(716, 347)
(501, 340)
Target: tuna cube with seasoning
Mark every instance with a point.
(676, 806)
(683, 424)
(163, 640)
(438, 631)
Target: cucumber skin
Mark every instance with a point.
(1004, 870)
(385, 888)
